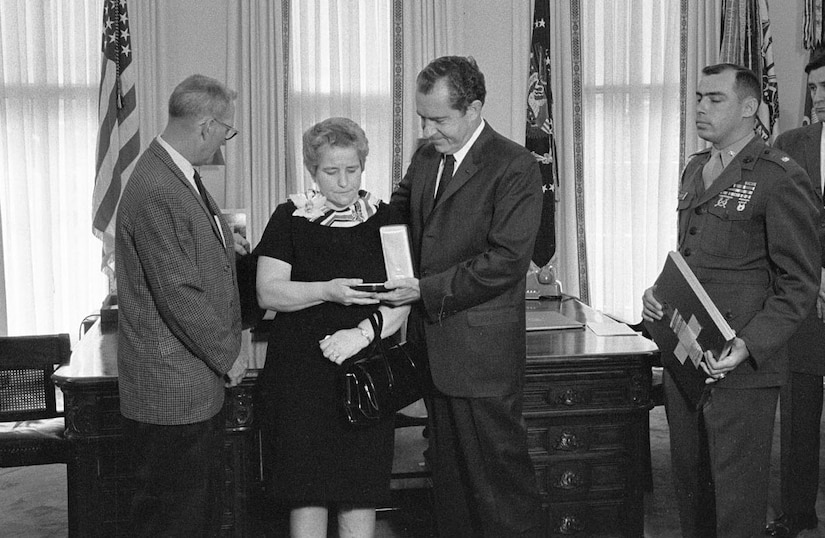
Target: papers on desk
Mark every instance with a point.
(548, 320)
(608, 327)
(604, 325)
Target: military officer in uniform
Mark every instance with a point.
(748, 228)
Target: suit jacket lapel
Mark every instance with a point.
(428, 192)
(469, 165)
(164, 156)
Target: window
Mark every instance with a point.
(49, 77)
(631, 111)
(341, 65)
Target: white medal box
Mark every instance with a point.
(395, 242)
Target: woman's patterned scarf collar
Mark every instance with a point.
(312, 206)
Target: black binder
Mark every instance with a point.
(690, 326)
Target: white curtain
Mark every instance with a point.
(565, 54)
(340, 65)
(631, 112)
(49, 78)
(701, 37)
(257, 181)
(256, 162)
(429, 31)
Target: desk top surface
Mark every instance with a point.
(581, 343)
(94, 358)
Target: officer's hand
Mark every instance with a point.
(718, 369)
(651, 308)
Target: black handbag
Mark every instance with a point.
(384, 381)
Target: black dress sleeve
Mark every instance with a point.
(276, 241)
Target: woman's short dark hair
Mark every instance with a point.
(746, 83)
(199, 95)
(464, 80)
(338, 132)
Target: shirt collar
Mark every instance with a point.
(465, 149)
(180, 161)
(729, 152)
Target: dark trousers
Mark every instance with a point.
(483, 480)
(720, 456)
(179, 477)
(800, 411)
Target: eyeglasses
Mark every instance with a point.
(231, 132)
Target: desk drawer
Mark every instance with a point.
(591, 520)
(595, 478)
(602, 390)
(547, 438)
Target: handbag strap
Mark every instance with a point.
(377, 322)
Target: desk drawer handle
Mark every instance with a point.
(568, 442)
(568, 524)
(570, 397)
(569, 480)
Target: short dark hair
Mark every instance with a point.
(464, 80)
(817, 61)
(335, 132)
(199, 95)
(746, 83)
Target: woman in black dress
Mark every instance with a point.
(315, 247)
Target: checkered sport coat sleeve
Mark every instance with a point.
(179, 320)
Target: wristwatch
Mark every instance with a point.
(365, 333)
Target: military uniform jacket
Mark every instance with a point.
(752, 241)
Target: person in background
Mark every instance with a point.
(316, 247)
(801, 397)
(748, 228)
(473, 202)
(179, 322)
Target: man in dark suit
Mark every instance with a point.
(801, 397)
(473, 201)
(748, 228)
(179, 322)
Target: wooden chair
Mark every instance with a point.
(31, 426)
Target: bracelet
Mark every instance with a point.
(365, 334)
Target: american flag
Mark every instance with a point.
(541, 137)
(747, 41)
(118, 141)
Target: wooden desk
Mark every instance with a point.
(586, 403)
(586, 400)
(99, 477)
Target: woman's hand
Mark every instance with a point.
(343, 344)
(338, 290)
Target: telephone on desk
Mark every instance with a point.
(542, 282)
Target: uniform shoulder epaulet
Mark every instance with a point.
(775, 155)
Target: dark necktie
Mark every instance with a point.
(446, 175)
(209, 206)
(202, 190)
